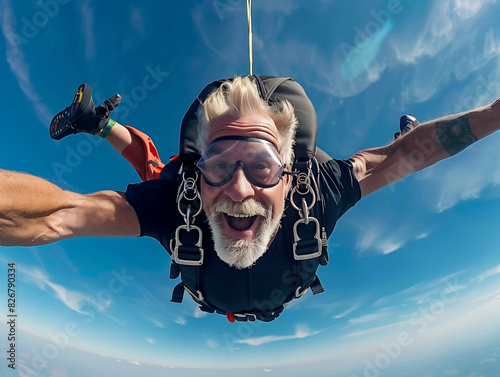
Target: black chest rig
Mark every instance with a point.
(289, 267)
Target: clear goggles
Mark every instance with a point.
(259, 159)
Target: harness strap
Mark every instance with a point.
(309, 238)
(178, 293)
(316, 286)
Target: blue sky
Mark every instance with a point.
(413, 281)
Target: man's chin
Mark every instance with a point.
(239, 253)
(241, 249)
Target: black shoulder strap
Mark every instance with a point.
(279, 88)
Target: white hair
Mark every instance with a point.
(240, 97)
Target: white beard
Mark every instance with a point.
(241, 253)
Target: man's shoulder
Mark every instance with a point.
(152, 185)
(151, 192)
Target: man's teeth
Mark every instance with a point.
(241, 215)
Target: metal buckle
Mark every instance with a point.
(297, 239)
(246, 315)
(198, 297)
(175, 252)
(299, 293)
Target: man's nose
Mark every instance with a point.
(239, 188)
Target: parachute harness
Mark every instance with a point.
(308, 240)
(189, 205)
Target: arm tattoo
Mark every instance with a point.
(455, 134)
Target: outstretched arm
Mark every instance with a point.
(425, 145)
(36, 212)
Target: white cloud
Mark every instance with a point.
(150, 340)
(425, 291)
(78, 301)
(18, 65)
(384, 237)
(137, 21)
(454, 289)
(134, 362)
(348, 311)
(368, 318)
(74, 300)
(300, 333)
(487, 361)
(374, 329)
(180, 321)
(488, 273)
(87, 14)
(199, 313)
(467, 8)
(212, 343)
(156, 323)
(452, 372)
(490, 296)
(465, 177)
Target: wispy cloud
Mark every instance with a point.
(212, 343)
(383, 237)
(18, 65)
(488, 273)
(424, 292)
(74, 300)
(180, 321)
(87, 14)
(466, 177)
(486, 297)
(375, 329)
(369, 318)
(300, 333)
(137, 21)
(197, 313)
(156, 322)
(150, 340)
(348, 311)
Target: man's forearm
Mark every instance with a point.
(423, 146)
(455, 133)
(26, 202)
(450, 135)
(35, 212)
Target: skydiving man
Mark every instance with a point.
(243, 244)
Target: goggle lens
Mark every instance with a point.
(258, 158)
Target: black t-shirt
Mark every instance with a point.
(270, 281)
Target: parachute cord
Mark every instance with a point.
(250, 52)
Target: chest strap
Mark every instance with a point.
(309, 245)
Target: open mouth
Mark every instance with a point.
(240, 222)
